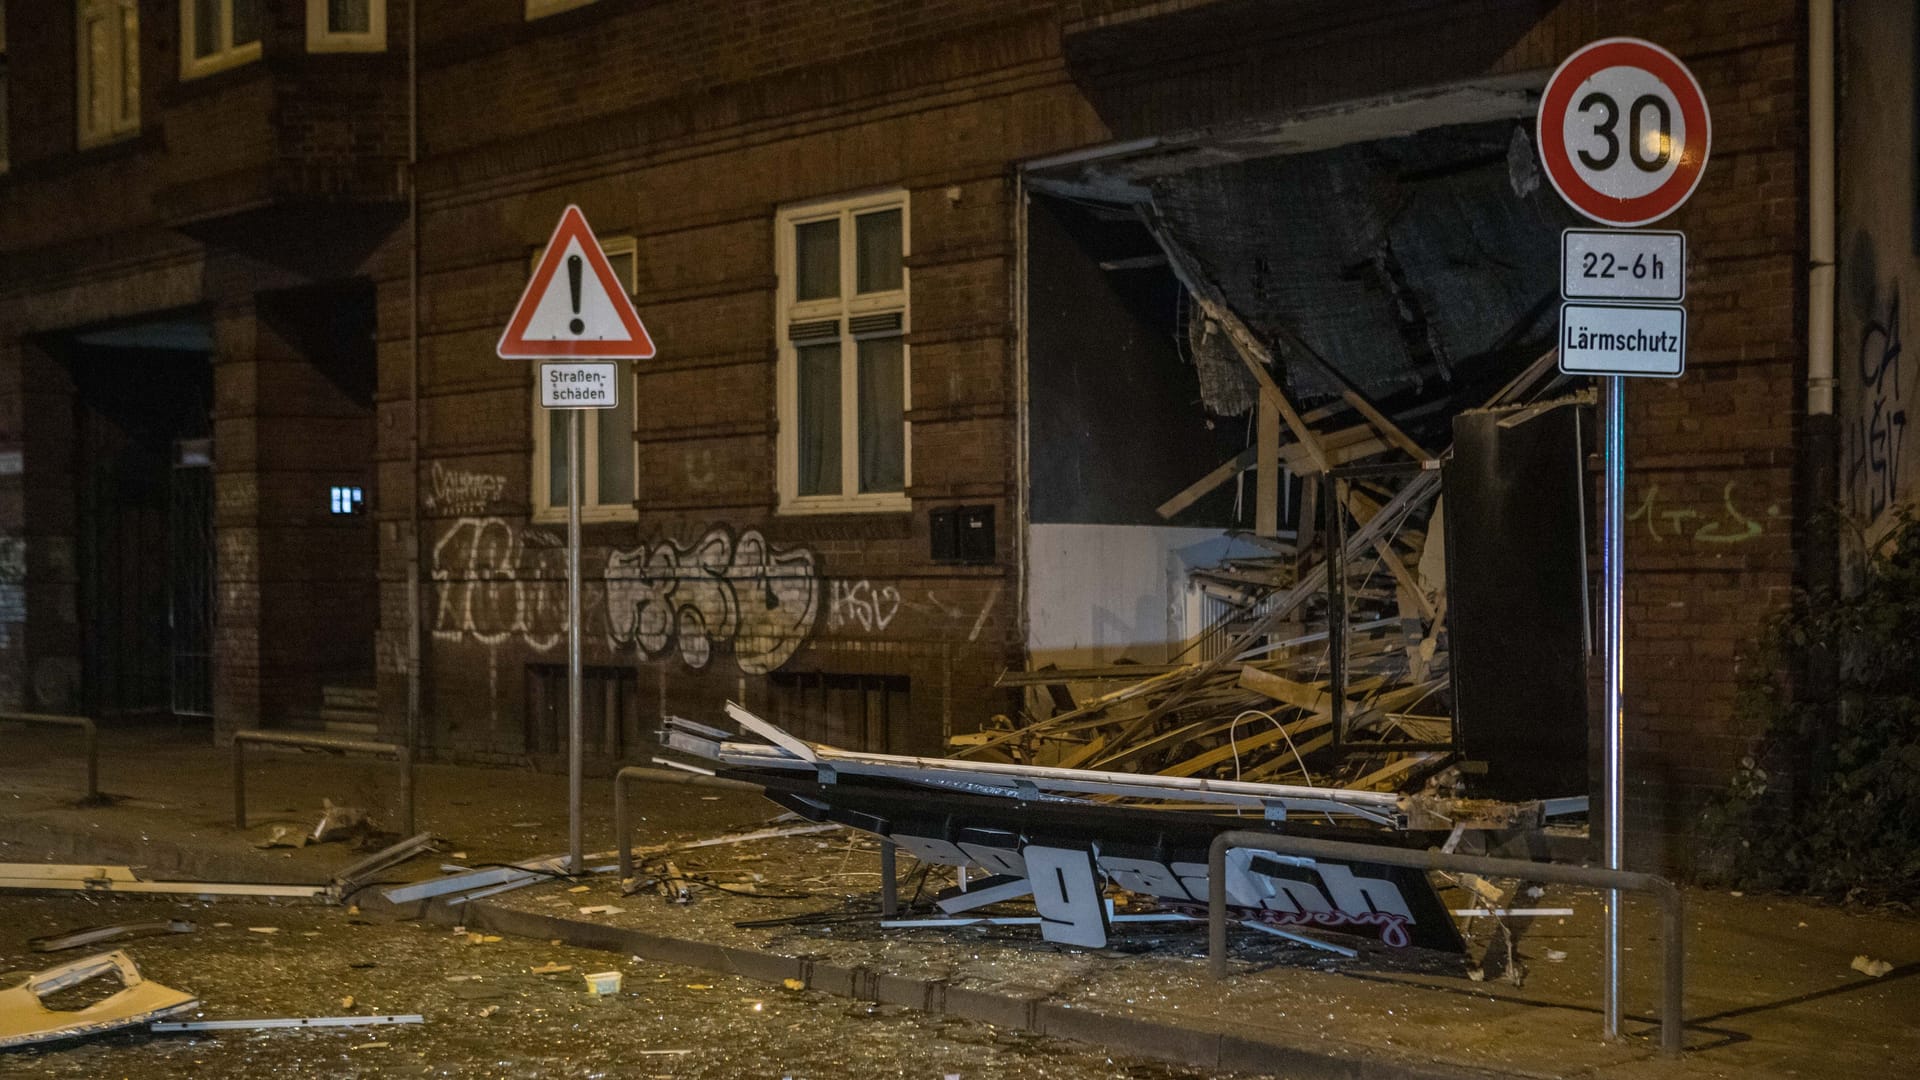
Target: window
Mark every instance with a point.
(346, 25)
(843, 355)
(107, 70)
(537, 8)
(218, 34)
(608, 464)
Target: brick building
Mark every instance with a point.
(880, 245)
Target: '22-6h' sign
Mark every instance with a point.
(1624, 131)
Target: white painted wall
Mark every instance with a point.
(1098, 594)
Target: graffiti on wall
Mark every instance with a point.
(1727, 523)
(724, 589)
(457, 491)
(859, 603)
(499, 584)
(1875, 430)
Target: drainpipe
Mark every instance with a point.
(1819, 457)
(413, 372)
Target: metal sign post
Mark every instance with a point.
(576, 762)
(1613, 567)
(1624, 133)
(575, 309)
(576, 386)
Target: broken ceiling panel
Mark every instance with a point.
(1397, 260)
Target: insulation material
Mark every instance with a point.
(1398, 260)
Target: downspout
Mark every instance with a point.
(1819, 457)
(413, 373)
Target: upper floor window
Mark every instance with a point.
(107, 69)
(607, 464)
(843, 317)
(537, 8)
(218, 34)
(346, 25)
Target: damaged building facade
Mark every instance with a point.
(992, 336)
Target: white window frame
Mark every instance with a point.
(119, 124)
(228, 55)
(537, 9)
(543, 509)
(847, 305)
(320, 39)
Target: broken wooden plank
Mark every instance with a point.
(1204, 486)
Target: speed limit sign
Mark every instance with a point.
(1624, 131)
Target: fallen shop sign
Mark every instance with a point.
(1063, 852)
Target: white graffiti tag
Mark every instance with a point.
(457, 491)
(498, 584)
(858, 602)
(721, 589)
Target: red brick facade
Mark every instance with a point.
(686, 126)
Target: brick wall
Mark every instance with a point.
(686, 128)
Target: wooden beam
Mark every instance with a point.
(1266, 500)
(1204, 486)
(1286, 691)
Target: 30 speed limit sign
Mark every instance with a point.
(1624, 131)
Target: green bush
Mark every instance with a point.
(1854, 831)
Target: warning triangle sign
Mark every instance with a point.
(574, 305)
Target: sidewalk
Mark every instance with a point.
(1769, 988)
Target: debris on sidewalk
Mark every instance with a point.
(279, 836)
(99, 934)
(340, 822)
(1870, 967)
(601, 909)
(25, 1018)
(603, 983)
(550, 969)
(393, 855)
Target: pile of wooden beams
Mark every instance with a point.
(1258, 698)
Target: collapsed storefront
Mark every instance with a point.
(1294, 415)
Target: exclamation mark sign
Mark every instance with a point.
(574, 265)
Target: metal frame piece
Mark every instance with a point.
(96, 935)
(290, 1022)
(88, 730)
(402, 756)
(380, 860)
(1672, 927)
(1024, 781)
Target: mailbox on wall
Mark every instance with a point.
(962, 534)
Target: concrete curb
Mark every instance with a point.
(1141, 1036)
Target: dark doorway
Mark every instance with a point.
(143, 529)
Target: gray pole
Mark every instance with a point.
(1612, 560)
(575, 452)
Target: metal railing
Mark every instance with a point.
(402, 756)
(1672, 932)
(87, 729)
(623, 829)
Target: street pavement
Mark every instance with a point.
(1771, 988)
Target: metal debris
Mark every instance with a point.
(100, 934)
(25, 1018)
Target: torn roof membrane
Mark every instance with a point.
(1399, 261)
